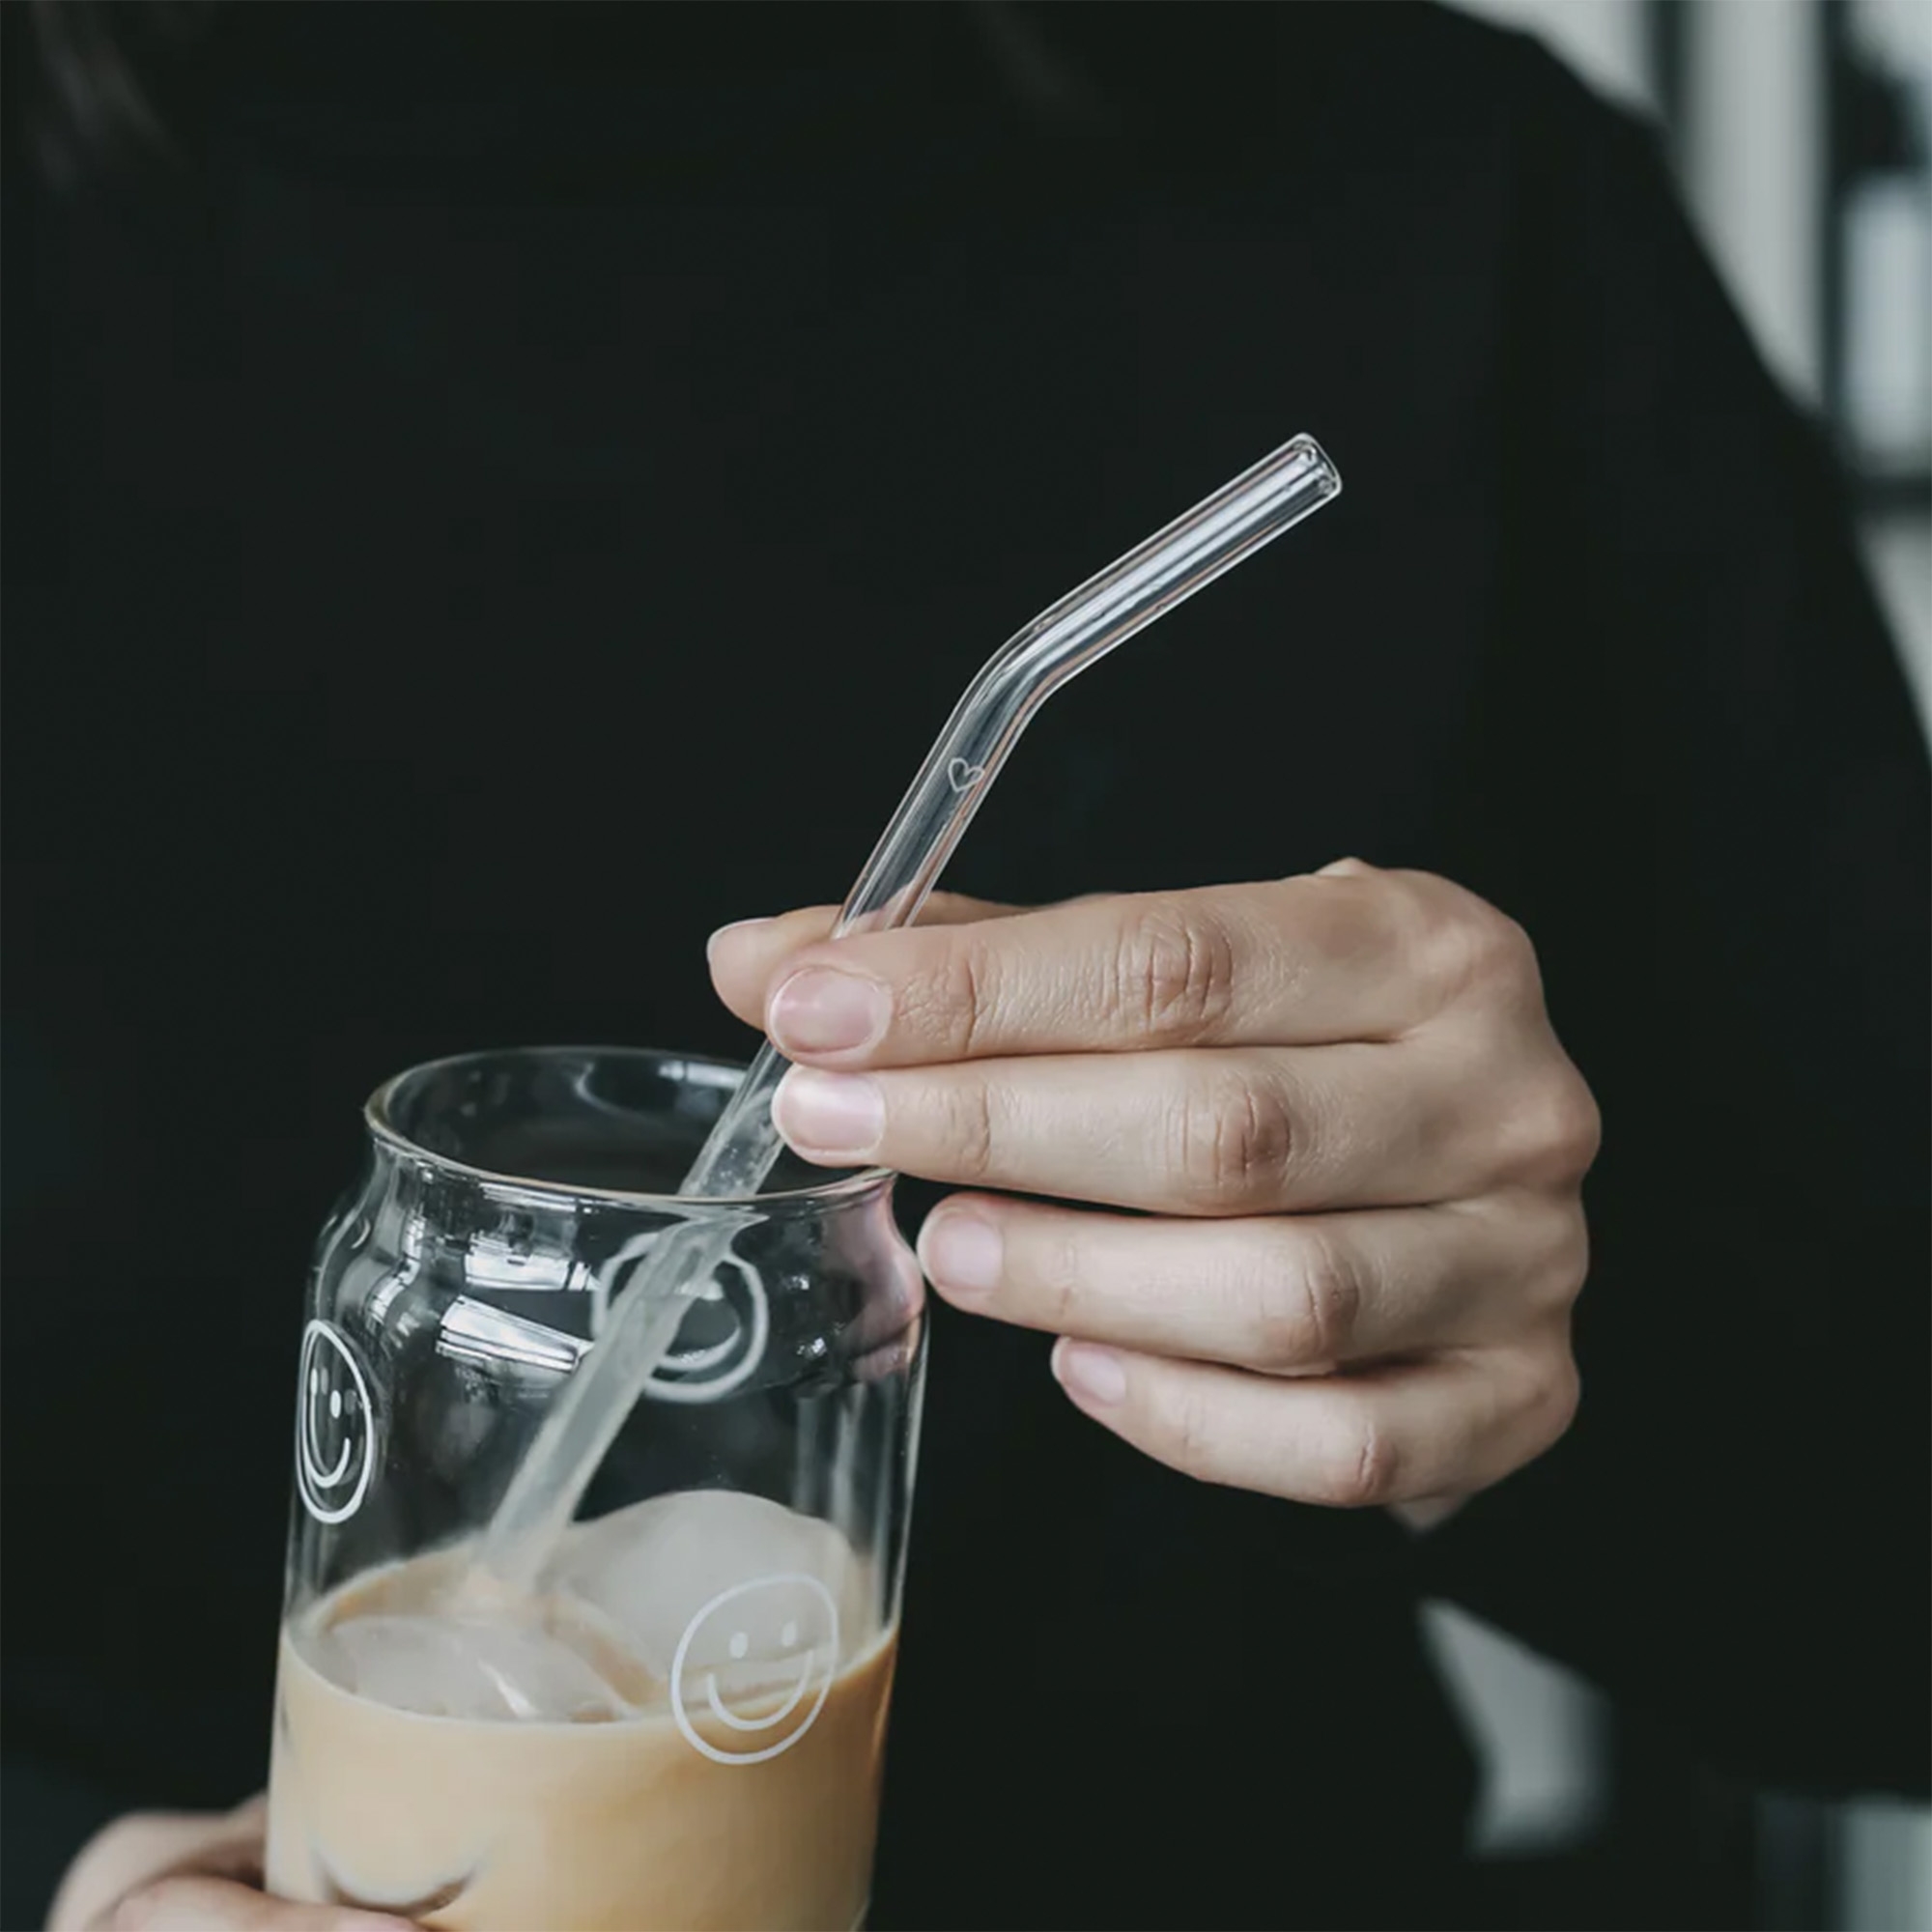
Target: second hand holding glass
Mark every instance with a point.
(1082, 628)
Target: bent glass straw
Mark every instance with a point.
(739, 1153)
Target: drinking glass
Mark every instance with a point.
(682, 1723)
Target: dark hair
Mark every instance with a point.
(85, 88)
(96, 84)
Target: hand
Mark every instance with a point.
(1356, 1146)
(188, 1872)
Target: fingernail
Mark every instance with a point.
(961, 1252)
(725, 931)
(836, 1115)
(823, 1010)
(1086, 1371)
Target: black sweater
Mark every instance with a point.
(510, 489)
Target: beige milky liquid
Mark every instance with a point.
(685, 1732)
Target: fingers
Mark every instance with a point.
(1300, 961)
(142, 1846)
(193, 1904)
(1228, 1132)
(1399, 1434)
(1284, 1294)
(1337, 1102)
(189, 1872)
(744, 956)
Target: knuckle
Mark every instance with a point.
(1436, 934)
(973, 995)
(1498, 962)
(1468, 949)
(971, 1129)
(1332, 1292)
(1568, 1266)
(1566, 1397)
(119, 1842)
(1576, 1123)
(947, 1002)
(1366, 1470)
(1231, 1141)
(1541, 1245)
(1555, 1392)
(1509, 956)
(151, 1905)
(1173, 972)
(1190, 1435)
(1060, 1284)
(1556, 1127)
(1304, 1306)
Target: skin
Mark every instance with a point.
(1354, 1147)
(1353, 1150)
(156, 1871)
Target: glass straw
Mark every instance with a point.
(738, 1154)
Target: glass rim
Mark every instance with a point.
(384, 1130)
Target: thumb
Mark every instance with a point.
(218, 1905)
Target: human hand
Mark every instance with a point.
(188, 1872)
(1355, 1147)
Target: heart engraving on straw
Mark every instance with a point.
(1082, 626)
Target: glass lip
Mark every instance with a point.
(384, 1130)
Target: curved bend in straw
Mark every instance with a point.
(959, 771)
(985, 724)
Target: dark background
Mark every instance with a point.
(318, 600)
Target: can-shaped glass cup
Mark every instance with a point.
(682, 1722)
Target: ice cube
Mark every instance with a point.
(652, 1569)
(445, 1667)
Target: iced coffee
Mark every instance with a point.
(657, 1699)
(685, 1729)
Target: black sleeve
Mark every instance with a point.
(1714, 788)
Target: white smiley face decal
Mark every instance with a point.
(721, 1343)
(335, 1447)
(758, 1663)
